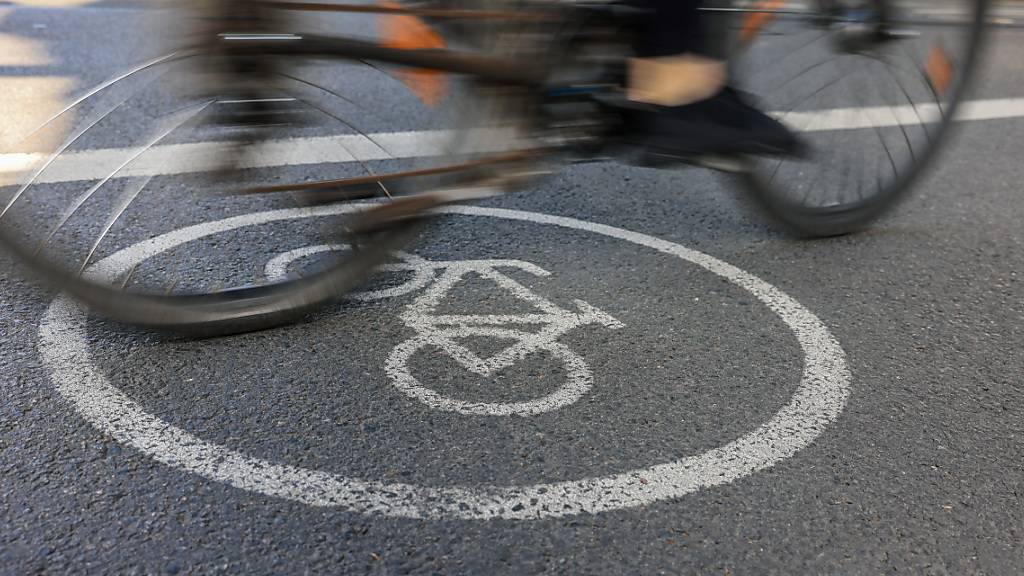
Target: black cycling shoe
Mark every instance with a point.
(724, 125)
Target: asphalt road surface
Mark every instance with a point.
(656, 381)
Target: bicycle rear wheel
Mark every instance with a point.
(873, 87)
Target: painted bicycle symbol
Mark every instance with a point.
(537, 331)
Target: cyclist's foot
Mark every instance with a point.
(724, 125)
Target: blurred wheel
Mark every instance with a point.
(196, 133)
(872, 86)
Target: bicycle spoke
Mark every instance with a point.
(889, 66)
(344, 122)
(108, 83)
(335, 93)
(128, 276)
(805, 72)
(913, 106)
(924, 76)
(67, 144)
(888, 152)
(70, 211)
(802, 47)
(129, 198)
(361, 162)
(816, 92)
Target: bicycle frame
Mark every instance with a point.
(496, 69)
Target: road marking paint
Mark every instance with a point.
(444, 330)
(817, 402)
(202, 156)
(906, 115)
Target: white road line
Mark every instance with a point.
(889, 116)
(200, 157)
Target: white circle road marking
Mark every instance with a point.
(817, 402)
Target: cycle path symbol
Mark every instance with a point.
(817, 401)
(533, 332)
(548, 321)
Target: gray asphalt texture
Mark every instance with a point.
(923, 472)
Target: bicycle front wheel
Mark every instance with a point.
(872, 87)
(133, 202)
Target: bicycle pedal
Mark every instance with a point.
(644, 157)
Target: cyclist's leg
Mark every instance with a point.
(681, 36)
(680, 77)
(672, 67)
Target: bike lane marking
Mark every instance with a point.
(817, 402)
(443, 330)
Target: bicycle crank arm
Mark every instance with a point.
(411, 208)
(417, 206)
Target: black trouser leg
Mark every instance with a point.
(679, 26)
